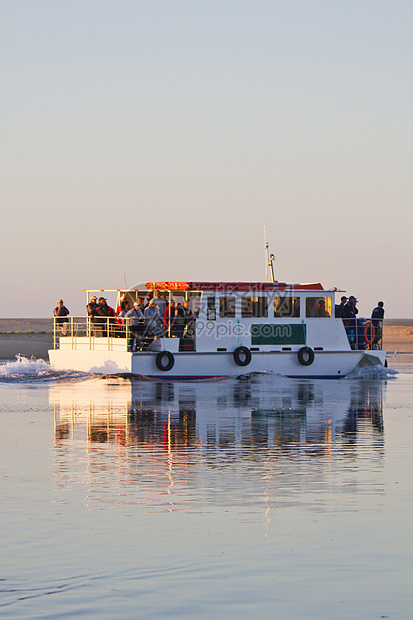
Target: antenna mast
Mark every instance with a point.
(270, 260)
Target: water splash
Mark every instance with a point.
(377, 372)
(32, 370)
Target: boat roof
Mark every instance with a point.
(215, 286)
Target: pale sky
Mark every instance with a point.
(162, 135)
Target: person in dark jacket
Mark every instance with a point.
(102, 312)
(179, 322)
(60, 314)
(377, 317)
(91, 311)
(339, 310)
(189, 320)
(350, 322)
(351, 308)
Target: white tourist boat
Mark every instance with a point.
(236, 328)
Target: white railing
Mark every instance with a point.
(364, 333)
(80, 327)
(81, 332)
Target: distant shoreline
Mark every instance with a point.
(25, 325)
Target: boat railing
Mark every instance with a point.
(112, 333)
(76, 327)
(364, 333)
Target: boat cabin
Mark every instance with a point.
(259, 315)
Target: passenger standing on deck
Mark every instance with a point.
(134, 318)
(92, 305)
(159, 303)
(179, 322)
(169, 318)
(141, 329)
(351, 312)
(121, 306)
(377, 317)
(112, 322)
(340, 309)
(123, 309)
(350, 309)
(91, 312)
(189, 320)
(60, 313)
(147, 300)
(102, 312)
(120, 318)
(152, 320)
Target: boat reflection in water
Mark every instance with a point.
(269, 411)
(222, 440)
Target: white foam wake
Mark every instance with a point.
(23, 366)
(33, 369)
(373, 372)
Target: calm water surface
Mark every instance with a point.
(256, 498)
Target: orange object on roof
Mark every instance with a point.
(168, 286)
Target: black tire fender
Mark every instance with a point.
(160, 360)
(242, 356)
(305, 356)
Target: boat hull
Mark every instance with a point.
(198, 365)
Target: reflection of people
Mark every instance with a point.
(377, 317)
(60, 313)
(321, 308)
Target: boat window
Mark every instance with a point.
(286, 306)
(318, 306)
(194, 300)
(211, 312)
(227, 307)
(254, 307)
